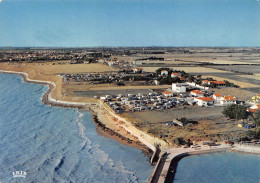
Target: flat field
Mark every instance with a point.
(199, 70)
(208, 123)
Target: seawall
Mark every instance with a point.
(165, 169)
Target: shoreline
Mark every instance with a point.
(143, 141)
(106, 131)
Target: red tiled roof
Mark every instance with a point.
(205, 98)
(205, 81)
(175, 74)
(253, 110)
(196, 91)
(229, 98)
(219, 82)
(166, 93)
(217, 95)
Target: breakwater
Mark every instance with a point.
(166, 166)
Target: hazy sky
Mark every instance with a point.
(82, 23)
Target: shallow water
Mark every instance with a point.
(226, 167)
(53, 144)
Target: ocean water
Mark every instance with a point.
(53, 144)
(225, 167)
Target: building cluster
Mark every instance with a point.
(166, 100)
(73, 55)
(114, 62)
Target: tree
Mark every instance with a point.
(235, 111)
(158, 71)
(253, 134)
(256, 117)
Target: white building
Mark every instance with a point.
(167, 94)
(179, 87)
(197, 93)
(204, 101)
(164, 72)
(228, 100)
(217, 97)
(175, 75)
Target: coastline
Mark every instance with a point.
(133, 136)
(109, 133)
(101, 127)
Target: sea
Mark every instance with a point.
(224, 167)
(45, 144)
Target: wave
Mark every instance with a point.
(100, 157)
(86, 141)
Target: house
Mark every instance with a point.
(228, 100)
(204, 101)
(164, 72)
(214, 83)
(197, 93)
(218, 83)
(175, 75)
(138, 70)
(205, 82)
(217, 97)
(167, 94)
(179, 87)
(254, 108)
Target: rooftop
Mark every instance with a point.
(196, 91)
(205, 98)
(229, 98)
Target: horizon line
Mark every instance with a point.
(67, 47)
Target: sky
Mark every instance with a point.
(93, 23)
